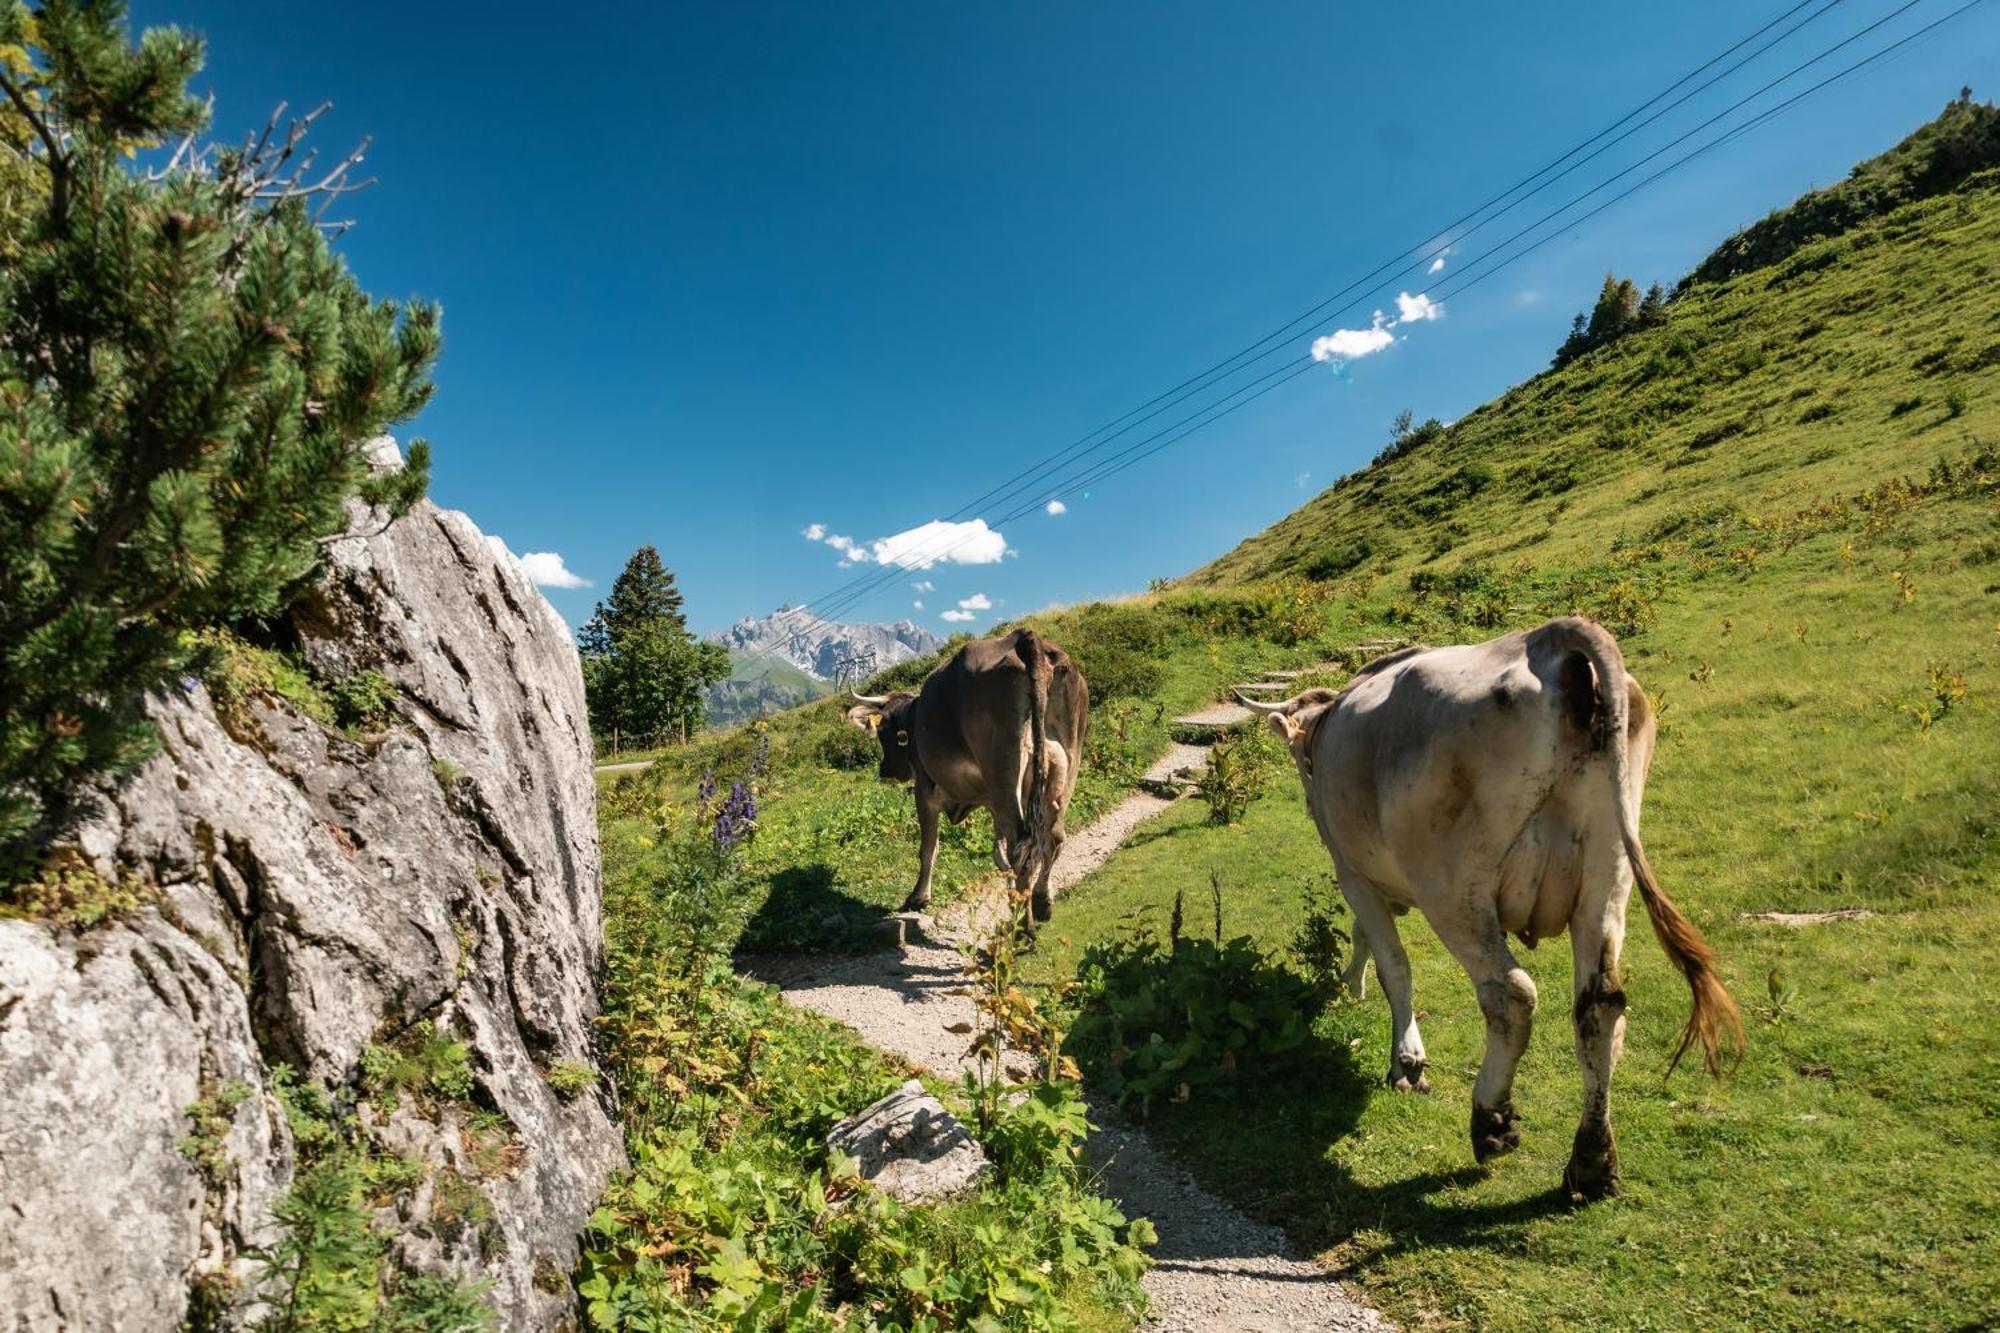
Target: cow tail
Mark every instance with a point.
(1040, 675)
(1713, 1017)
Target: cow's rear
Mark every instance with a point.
(1001, 725)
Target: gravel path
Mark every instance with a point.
(1214, 1268)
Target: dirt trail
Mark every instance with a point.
(1214, 1268)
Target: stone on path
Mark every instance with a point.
(911, 1148)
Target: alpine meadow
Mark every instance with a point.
(554, 922)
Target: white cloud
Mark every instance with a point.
(547, 569)
(1301, 480)
(968, 543)
(918, 604)
(1416, 309)
(921, 547)
(924, 585)
(1437, 265)
(956, 616)
(1351, 344)
(979, 601)
(1056, 507)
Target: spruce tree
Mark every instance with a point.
(644, 673)
(188, 377)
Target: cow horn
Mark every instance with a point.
(1259, 706)
(876, 699)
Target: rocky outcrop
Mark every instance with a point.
(316, 892)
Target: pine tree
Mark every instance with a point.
(1653, 310)
(643, 592)
(188, 377)
(1618, 311)
(643, 672)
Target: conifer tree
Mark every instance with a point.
(644, 673)
(188, 378)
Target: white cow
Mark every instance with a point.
(1495, 787)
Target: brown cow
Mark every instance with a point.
(999, 725)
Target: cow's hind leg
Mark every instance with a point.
(1507, 999)
(1355, 975)
(1597, 936)
(1392, 968)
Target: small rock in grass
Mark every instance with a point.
(911, 1148)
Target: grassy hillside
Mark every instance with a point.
(1861, 358)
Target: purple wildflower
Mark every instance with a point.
(737, 819)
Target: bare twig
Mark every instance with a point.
(273, 164)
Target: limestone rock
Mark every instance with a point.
(911, 1148)
(318, 893)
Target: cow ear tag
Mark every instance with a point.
(874, 722)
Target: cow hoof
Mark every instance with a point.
(916, 902)
(1494, 1132)
(1400, 1081)
(1592, 1173)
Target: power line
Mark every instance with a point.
(836, 602)
(1225, 366)
(1102, 470)
(865, 584)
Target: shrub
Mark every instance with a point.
(70, 892)
(846, 746)
(1319, 946)
(226, 309)
(1185, 1017)
(1118, 649)
(1338, 559)
(570, 1079)
(1239, 769)
(425, 1063)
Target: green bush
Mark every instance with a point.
(425, 1063)
(1118, 649)
(1240, 765)
(264, 367)
(1186, 1017)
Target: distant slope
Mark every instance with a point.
(1857, 357)
(758, 684)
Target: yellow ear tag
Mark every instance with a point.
(874, 722)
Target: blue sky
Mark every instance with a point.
(715, 273)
